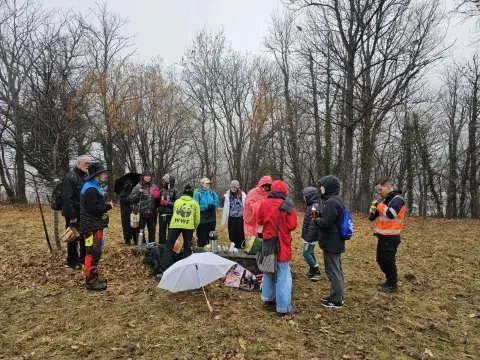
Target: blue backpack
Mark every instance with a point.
(346, 226)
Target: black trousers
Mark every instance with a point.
(386, 250)
(173, 235)
(73, 256)
(150, 223)
(202, 232)
(163, 223)
(235, 231)
(128, 234)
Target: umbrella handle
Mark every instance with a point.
(208, 302)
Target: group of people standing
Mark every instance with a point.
(264, 212)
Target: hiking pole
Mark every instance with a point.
(41, 213)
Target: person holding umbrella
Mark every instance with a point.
(145, 196)
(123, 188)
(93, 220)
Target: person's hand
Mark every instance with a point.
(73, 221)
(373, 209)
(211, 207)
(164, 203)
(110, 203)
(156, 193)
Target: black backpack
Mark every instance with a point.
(56, 199)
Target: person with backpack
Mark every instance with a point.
(233, 213)
(279, 218)
(144, 198)
(333, 246)
(168, 196)
(185, 219)
(70, 205)
(93, 220)
(390, 216)
(310, 232)
(208, 201)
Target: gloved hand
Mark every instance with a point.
(373, 209)
(156, 193)
(164, 203)
(211, 207)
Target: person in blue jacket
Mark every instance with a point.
(208, 200)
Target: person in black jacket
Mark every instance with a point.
(94, 218)
(168, 195)
(310, 232)
(330, 241)
(71, 186)
(125, 211)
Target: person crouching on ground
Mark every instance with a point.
(93, 219)
(330, 240)
(277, 287)
(233, 213)
(310, 232)
(185, 219)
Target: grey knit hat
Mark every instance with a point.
(235, 184)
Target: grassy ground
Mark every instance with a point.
(46, 313)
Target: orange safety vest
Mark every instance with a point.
(385, 225)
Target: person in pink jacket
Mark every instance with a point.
(252, 203)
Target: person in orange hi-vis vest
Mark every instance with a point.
(390, 218)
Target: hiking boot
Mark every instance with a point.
(74, 266)
(310, 273)
(330, 304)
(387, 288)
(96, 286)
(316, 276)
(292, 311)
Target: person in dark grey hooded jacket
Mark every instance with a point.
(330, 240)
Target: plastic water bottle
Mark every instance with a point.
(140, 238)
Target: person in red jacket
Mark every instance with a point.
(277, 287)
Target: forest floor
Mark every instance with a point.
(45, 312)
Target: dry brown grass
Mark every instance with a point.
(46, 313)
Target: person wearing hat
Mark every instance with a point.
(233, 213)
(144, 198)
(93, 219)
(208, 200)
(252, 203)
(168, 196)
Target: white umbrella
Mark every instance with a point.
(195, 272)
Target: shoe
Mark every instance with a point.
(270, 305)
(102, 280)
(330, 304)
(316, 276)
(387, 288)
(96, 286)
(292, 311)
(128, 244)
(327, 299)
(310, 273)
(74, 267)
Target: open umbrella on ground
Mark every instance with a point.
(120, 182)
(195, 272)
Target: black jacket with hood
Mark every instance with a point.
(310, 231)
(331, 219)
(71, 187)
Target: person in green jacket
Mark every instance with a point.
(185, 219)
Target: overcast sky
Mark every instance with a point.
(165, 28)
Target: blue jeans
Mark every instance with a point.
(309, 254)
(278, 287)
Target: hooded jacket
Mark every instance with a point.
(71, 187)
(186, 214)
(310, 231)
(226, 205)
(267, 216)
(204, 199)
(169, 193)
(252, 203)
(329, 223)
(394, 209)
(93, 209)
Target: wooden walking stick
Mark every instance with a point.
(41, 213)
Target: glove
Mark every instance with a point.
(373, 209)
(156, 193)
(211, 207)
(164, 203)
